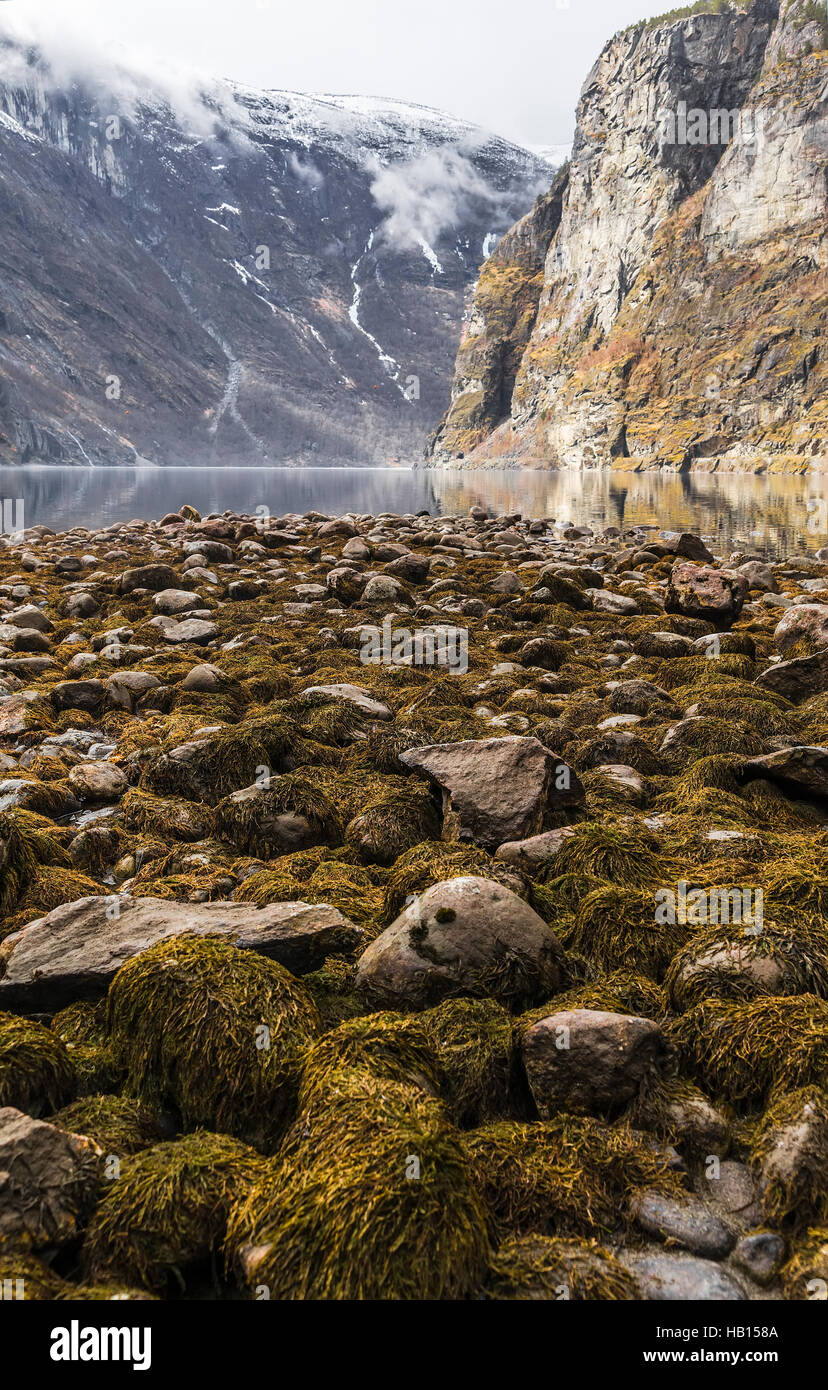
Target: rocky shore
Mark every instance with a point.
(411, 907)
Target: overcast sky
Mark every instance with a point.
(515, 66)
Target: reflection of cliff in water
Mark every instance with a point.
(768, 515)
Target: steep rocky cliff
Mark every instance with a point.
(207, 273)
(683, 301)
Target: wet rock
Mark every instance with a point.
(411, 569)
(84, 695)
(204, 678)
(242, 590)
(535, 853)
(761, 1256)
(124, 690)
(803, 770)
(196, 630)
(498, 789)
(797, 680)
(98, 782)
(463, 936)
(605, 601)
(29, 618)
(803, 621)
(729, 1187)
(354, 695)
(759, 576)
(687, 1222)
(665, 1278)
(700, 591)
(171, 601)
(214, 551)
(506, 583)
(585, 1061)
(25, 710)
(383, 588)
(74, 952)
(152, 577)
(48, 1183)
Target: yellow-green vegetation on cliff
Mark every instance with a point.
(506, 300)
(683, 305)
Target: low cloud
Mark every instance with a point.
(424, 197)
(45, 47)
(433, 194)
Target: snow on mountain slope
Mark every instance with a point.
(200, 271)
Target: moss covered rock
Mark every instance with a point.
(167, 1209)
(215, 1031)
(36, 1071)
(374, 1168)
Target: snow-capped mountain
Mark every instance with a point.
(201, 272)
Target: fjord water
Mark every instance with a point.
(773, 516)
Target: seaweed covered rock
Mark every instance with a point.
(28, 1280)
(385, 1045)
(374, 1168)
(743, 1051)
(790, 1156)
(745, 962)
(466, 936)
(805, 1276)
(587, 1062)
(117, 1124)
(542, 1268)
(682, 1115)
(75, 951)
(18, 862)
(217, 1032)
(498, 789)
(473, 1040)
(290, 813)
(49, 1182)
(572, 1174)
(36, 1071)
(167, 1209)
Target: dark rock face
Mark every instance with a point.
(229, 293)
(650, 340)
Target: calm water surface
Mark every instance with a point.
(772, 516)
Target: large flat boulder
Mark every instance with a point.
(498, 789)
(74, 952)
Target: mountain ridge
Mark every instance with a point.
(296, 310)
